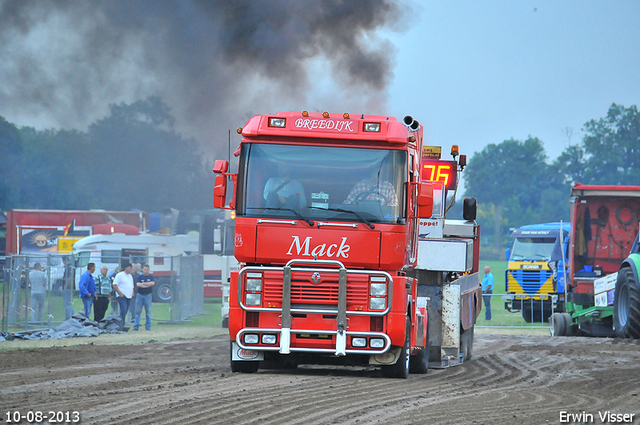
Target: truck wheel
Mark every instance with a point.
(527, 312)
(242, 366)
(569, 329)
(401, 368)
(419, 364)
(557, 324)
(161, 291)
(626, 305)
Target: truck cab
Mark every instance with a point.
(536, 269)
(327, 221)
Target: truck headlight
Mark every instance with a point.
(254, 299)
(378, 289)
(359, 342)
(376, 343)
(254, 285)
(251, 339)
(378, 303)
(268, 339)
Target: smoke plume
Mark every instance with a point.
(215, 63)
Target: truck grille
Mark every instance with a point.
(304, 291)
(530, 281)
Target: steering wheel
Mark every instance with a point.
(363, 195)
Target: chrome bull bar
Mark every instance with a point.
(341, 311)
(241, 344)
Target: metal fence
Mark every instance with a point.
(28, 305)
(516, 311)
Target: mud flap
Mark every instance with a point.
(240, 354)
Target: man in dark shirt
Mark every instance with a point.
(144, 287)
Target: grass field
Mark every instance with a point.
(501, 317)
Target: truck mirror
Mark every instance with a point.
(220, 166)
(425, 200)
(220, 191)
(469, 208)
(508, 253)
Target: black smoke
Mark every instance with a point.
(214, 63)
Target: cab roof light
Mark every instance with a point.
(277, 122)
(305, 114)
(454, 151)
(346, 115)
(462, 161)
(372, 127)
(239, 130)
(325, 114)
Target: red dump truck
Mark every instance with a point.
(328, 223)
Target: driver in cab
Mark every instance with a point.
(284, 192)
(372, 189)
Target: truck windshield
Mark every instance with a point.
(532, 249)
(322, 183)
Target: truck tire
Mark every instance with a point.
(401, 368)
(419, 364)
(557, 324)
(535, 313)
(626, 305)
(242, 366)
(161, 291)
(569, 329)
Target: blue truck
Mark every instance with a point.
(535, 274)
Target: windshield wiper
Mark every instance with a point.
(306, 220)
(371, 226)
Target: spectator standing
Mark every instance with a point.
(68, 287)
(38, 280)
(87, 287)
(103, 290)
(144, 284)
(114, 297)
(487, 290)
(135, 272)
(123, 285)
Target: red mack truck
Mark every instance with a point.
(343, 260)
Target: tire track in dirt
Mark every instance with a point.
(524, 380)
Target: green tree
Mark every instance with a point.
(140, 162)
(10, 149)
(609, 153)
(513, 177)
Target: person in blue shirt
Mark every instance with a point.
(87, 287)
(487, 290)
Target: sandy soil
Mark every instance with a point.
(511, 380)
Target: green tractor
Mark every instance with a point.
(626, 302)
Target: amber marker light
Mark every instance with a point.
(325, 114)
(346, 115)
(239, 130)
(454, 150)
(305, 113)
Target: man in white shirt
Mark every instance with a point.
(123, 285)
(38, 279)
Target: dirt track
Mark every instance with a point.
(511, 380)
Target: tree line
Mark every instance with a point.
(516, 183)
(132, 158)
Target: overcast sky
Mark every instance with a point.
(472, 72)
(480, 72)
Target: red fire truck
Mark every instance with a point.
(328, 218)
